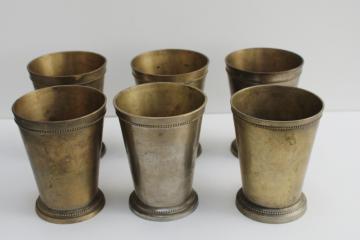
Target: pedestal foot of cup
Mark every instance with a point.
(71, 216)
(199, 150)
(270, 215)
(234, 148)
(103, 150)
(163, 214)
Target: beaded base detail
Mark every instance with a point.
(163, 214)
(270, 215)
(71, 216)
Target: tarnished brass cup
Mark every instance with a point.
(171, 65)
(72, 67)
(256, 66)
(275, 130)
(160, 124)
(61, 127)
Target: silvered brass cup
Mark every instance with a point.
(160, 124)
(257, 66)
(275, 130)
(68, 68)
(171, 65)
(61, 127)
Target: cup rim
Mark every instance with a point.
(135, 69)
(276, 123)
(146, 78)
(202, 106)
(67, 121)
(66, 75)
(232, 67)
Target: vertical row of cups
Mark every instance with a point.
(161, 127)
(275, 125)
(171, 65)
(69, 68)
(61, 124)
(161, 124)
(262, 66)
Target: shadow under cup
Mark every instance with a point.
(160, 124)
(275, 130)
(61, 127)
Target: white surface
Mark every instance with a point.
(325, 32)
(331, 186)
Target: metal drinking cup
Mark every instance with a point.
(275, 130)
(61, 128)
(160, 124)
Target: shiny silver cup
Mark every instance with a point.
(161, 124)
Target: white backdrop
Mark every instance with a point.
(326, 33)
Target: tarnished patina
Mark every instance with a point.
(69, 68)
(61, 127)
(257, 66)
(275, 130)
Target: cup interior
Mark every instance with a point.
(66, 64)
(263, 60)
(169, 62)
(277, 103)
(58, 103)
(159, 100)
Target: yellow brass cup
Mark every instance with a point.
(171, 65)
(160, 124)
(61, 127)
(72, 67)
(257, 66)
(275, 130)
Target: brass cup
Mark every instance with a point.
(257, 66)
(160, 124)
(275, 130)
(69, 68)
(171, 65)
(61, 127)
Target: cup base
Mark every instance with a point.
(234, 148)
(199, 150)
(270, 215)
(103, 150)
(71, 216)
(163, 214)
